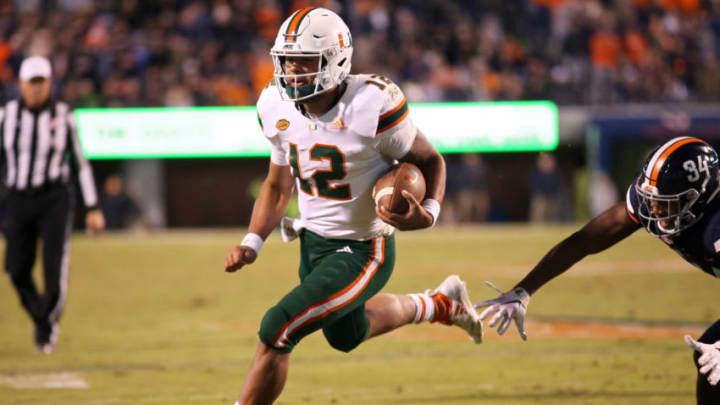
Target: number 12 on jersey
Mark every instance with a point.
(321, 178)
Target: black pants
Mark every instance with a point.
(45, 215)
(707, 394)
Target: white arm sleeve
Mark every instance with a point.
(278, 154)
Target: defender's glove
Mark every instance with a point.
(508, 307)
(709, 360)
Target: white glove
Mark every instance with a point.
(709, 360)
(508, 307)
(290, 228)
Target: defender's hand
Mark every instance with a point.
(95, 222)
(415, 218)
(508, 307)
(238, 256)
(709, 360)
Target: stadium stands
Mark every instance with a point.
(194, 52)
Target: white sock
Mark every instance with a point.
(424, 307)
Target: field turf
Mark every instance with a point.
(153, 319)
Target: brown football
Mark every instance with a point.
(388, 188)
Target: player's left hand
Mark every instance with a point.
(415, 218)
(95, 222)
(709, 360)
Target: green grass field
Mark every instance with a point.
(154, 320)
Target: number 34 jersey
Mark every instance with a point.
(337, 157)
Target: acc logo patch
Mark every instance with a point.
(282, 124)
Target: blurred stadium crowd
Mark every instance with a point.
(113, 53)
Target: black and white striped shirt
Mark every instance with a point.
(40, 148)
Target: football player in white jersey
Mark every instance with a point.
(333, 135)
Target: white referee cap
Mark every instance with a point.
(35, 66)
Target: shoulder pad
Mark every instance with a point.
(381, 82)
(272, 83)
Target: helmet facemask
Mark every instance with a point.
(665, 215)
(322, 79)
(679, 179)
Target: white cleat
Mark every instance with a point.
(49, 346)
(45, 348)
(462, 313)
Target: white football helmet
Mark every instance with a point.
(312, 32)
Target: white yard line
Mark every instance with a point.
(48, 380)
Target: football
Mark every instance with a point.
(388, 188)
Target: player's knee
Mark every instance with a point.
(342, 341)
(271, 326)
(343, 345)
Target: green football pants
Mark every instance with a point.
(337, 277)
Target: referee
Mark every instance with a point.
(41, 155)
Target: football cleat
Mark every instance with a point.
(46, 338)
(46, 348)
(453, 307)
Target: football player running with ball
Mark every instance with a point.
(333, 135)
(674, 198)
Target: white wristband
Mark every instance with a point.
(254, 241)
(432, 207)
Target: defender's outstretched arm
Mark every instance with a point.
(599, 234)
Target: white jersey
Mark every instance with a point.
(337, 157)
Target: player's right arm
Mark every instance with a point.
(602, 232)
(272, 202)
(267, 213)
